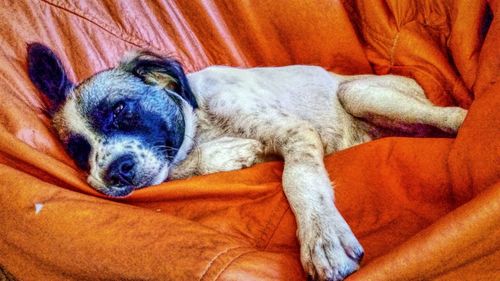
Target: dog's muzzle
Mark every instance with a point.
(121, 172)
(121, 166)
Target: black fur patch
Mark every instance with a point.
(148, 63)
(79, 149)
(47, 73)
(151, 129)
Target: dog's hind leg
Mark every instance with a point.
(391, 101)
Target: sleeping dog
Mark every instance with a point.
(145, 122)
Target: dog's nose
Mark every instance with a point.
(121, 171)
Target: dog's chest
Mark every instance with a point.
(210, 126)
(304, 92)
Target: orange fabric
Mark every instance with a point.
(424, 209)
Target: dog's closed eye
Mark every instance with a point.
(124, 115)
(118, 109)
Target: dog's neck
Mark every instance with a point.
(200, 127)
(189, 133)
(209, 126)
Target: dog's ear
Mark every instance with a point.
(47, 73)
(157, 70)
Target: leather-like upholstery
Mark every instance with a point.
(424, 209)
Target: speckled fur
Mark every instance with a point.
(239, 117)
(302, 113)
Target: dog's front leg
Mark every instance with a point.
(329, 250)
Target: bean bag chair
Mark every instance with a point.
(424, 208)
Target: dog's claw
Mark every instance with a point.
(356, 254)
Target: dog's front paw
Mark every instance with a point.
(228, 154)
(329, 252)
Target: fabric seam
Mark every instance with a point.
(218, 256)
(265, 247)
(274, 221)
(232, 261)
(92, 20)
(393, 48)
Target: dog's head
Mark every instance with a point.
(125, 126)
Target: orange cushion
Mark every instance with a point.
(423, 208)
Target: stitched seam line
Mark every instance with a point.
(272, 225)
(393, 48)
(275, 228)
(373, 33)
(216, 258)
(261, 242)
(219, 256)
(101, 25)
(229, 264)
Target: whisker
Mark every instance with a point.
(194, 141)
(165, 147)
(166, 150)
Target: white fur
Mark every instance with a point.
(301, 113)
(297, 113)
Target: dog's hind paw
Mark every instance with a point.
(453, 117)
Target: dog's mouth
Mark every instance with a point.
(121, 191)
(142, 180)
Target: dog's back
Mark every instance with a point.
(305, 92)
